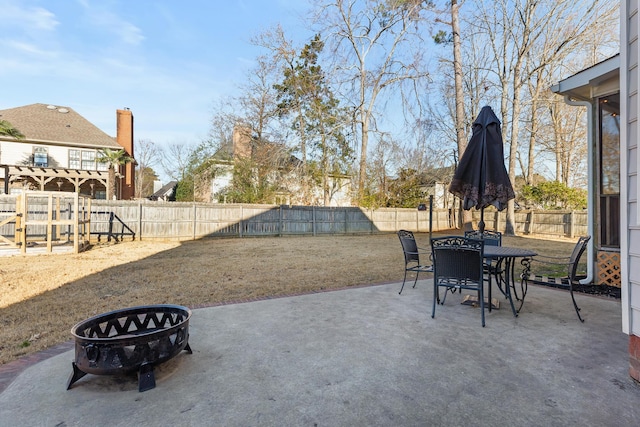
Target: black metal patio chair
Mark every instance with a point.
(566, 264)
(412, 257)
(458, 264)
(490, 238)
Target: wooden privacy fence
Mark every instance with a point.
(552, 223)
(56, 218)
(187, 221)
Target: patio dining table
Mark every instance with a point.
(504, 271)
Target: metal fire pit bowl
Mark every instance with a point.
(130, 339)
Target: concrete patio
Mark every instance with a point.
(361, 357)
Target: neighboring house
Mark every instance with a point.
(166, 193)
(436, 183)
(285, 175)
(60, 149)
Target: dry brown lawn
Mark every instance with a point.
(43, 296)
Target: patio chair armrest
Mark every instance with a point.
(420, 252)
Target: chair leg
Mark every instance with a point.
(489, 275)
(403, 280)
(416, 281)
(575, 305)
(481, 297)
(436, 298)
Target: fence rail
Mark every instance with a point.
(188, 221)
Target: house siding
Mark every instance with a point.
(632, 76)
(12, 153)
(630, 250)
(19, 153)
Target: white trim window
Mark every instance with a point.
(88, 160)
(74, 159)
(40, 157)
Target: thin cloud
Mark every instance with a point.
(30, 18)
(111, 22)
(28, 48)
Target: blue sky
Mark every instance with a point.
(167, 61)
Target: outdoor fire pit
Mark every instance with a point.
(131, 339)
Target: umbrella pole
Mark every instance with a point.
(481, 223)
(430, 216)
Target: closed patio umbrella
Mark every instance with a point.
(481, 178)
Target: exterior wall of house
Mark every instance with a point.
(222, 180)
(16, 153)
(630, 221)
(21, 154)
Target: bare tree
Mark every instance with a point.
(385, 160)
(515, 30)
(175, 160)
(147, 156)
(562, 46)
(568, 142)
(376, 48)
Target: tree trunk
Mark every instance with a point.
(364, 126)
(111, 186)
(464, 217)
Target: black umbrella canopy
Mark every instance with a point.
(481, 178)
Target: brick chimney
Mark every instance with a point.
(241, 142)
(124, 137)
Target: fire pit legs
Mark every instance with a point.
(146, 377)
(75, 375)
(129, 340)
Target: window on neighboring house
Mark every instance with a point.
(40, 157)
(88, 160)
(74, 159)
(103, 166)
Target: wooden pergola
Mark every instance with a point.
(42, 176)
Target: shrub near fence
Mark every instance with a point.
(187, 221)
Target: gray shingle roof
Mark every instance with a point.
(57, 124)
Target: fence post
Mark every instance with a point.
(346, 224)
(371, 221)
(430, 216)
(140, 220)
(194, 222)
(280, 221)
(531, 221)
(241, 223)
(572, 221)
(50, 225)
(395, 220)
(313, 220)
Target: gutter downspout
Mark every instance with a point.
(590, 180)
